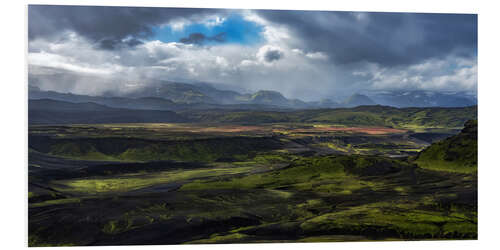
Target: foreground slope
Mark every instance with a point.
(456, 154)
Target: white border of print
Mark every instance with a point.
(13, 232)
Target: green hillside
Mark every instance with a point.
(455, 154)
(133, 149)
(411, 118)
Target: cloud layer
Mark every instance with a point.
(303, 54)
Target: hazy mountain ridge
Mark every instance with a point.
(174, 96)
(358, 100)
(421, 98)
(144, 103)
(46, 111)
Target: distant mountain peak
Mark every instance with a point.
(270, 93)
(269, 97)
(358, 100)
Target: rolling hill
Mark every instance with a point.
(46, 111)
(412, 118)
(455, 154)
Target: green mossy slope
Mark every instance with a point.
(456, 154)
(360, 116)
(132, 149)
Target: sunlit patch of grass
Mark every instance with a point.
(460, 229)
(441, 165)
(305, 210)
(335, 147)
(138, 218)
(403, 218)
(345, 186)
(216, 238)
(402, 190)
(55, 202)
(318, 174)
(86, 152)
(248, 182)
(280, 193)
(35, 241)
(127, 182)
(273, 158)
(334, 238)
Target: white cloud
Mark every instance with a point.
(56, 61)
(272, 33)
(448, 74)
(178, 24)
(221, 61)
(214, 21)
(317, 56)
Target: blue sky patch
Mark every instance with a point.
(234, 29)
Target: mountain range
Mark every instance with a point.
(178, 96)
(421, 98)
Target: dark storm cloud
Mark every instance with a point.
(200, 38)
(385, 38)
(110, 44)
(273, 55)
(109, 27)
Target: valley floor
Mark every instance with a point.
(127, 184)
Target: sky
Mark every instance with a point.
(308, 55)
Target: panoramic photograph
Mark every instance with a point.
(166, 126)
